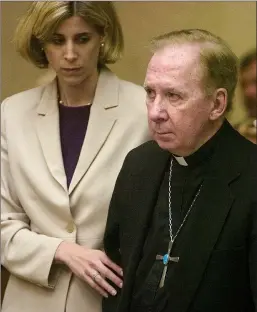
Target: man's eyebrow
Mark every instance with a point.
(147, 86)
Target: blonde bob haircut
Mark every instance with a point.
(42, 19)
(219, 64)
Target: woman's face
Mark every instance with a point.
(73, 51)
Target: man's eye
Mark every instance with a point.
(173, 96)
(150, 93)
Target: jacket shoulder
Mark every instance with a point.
(145, 148)
(244, 146)
(132, 93)
(132, 101)
(146, 155)
(23, 101)
(131, 86)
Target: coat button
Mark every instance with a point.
(70, 227)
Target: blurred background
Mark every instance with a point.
(233, 21)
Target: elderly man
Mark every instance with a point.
(183, 216)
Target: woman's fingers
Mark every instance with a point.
(99, 281)
(94, 285)
(106, 273)
(109, 263)
(93, 266)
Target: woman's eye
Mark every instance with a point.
(57, 40)
(83, 39)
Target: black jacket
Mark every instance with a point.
(217, 271)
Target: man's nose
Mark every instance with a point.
(157, 111)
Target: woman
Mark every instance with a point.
(63, 145)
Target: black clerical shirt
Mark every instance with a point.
(185, 183)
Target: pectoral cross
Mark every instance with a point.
(166, 259)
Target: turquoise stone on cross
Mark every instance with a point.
(165, 259)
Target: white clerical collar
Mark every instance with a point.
(181, 160)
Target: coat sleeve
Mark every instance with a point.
(24, 253)
(253, 227)
(253, 255)
(112, 233)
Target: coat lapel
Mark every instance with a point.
(197, 240)
(201, 232)
(141, 212)
(101, 122)
(49, 134)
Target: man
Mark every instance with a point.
(183, 216)
(248, 86)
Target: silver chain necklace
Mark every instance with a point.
(166, 258)
(172, 238)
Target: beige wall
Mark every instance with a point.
(17, 74)
(234, 21)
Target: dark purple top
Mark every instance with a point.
(73, 126)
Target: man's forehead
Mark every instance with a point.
(178, 50)
(173, 68)
(158, 68)
(174, 57)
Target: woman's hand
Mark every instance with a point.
(91, 265)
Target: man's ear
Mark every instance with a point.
(220, 99)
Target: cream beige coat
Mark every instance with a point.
(38, 211)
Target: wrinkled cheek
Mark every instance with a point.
(182, 134)
(151, 126)
(190, 134)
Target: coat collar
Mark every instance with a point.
(106, 93)
(101, 122)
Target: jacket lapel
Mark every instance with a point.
(196, 242)
(49, 134)
(101, 122)
(147, 183)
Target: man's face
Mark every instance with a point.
(178, 107)
(248, 85)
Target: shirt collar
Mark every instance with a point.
(203, 153)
